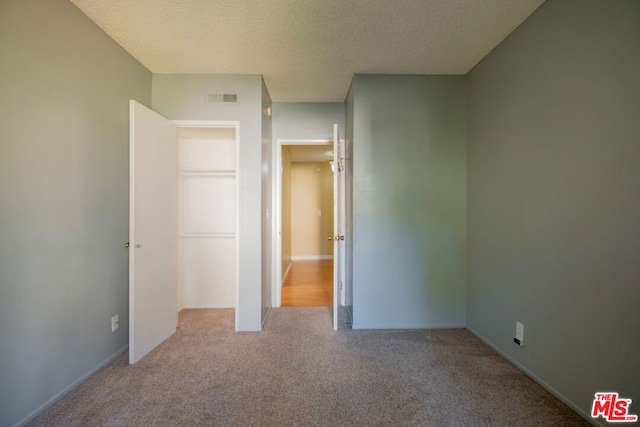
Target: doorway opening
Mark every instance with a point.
(307, 225)
(319, 159)
(207, 243)
(183, 186)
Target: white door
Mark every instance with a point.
(153, 230)
(338, 237)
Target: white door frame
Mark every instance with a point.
(228, 124)
(276, 232)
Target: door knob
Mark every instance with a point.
(330, 237)
(127, 245)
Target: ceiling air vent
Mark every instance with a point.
(223, 98)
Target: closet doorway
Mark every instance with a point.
(183, 228)
(207, 244)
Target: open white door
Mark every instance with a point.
(153, 230)
(338, 237)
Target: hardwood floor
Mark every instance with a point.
(308, 284)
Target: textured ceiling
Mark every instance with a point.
(308, 50)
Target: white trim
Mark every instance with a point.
(203, 307)
(234, 124)
(342, 178)
(203, 234)
(310, 257)
(197, 174)
(132, 216)
(411, 326)
(325, 141)
(265, 318)
(286, 273)
(337, 223)
(70, 388)
(349, 315)
(207, 124)
(537, 379)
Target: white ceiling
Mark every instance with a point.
(309, 153)
(308, 50)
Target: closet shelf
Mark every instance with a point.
(207, 235)
(208, 173)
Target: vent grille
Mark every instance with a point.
(230, 97)
(222, 98)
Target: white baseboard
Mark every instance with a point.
(310, 257)
(410, 326)
(202, 307)
(286, 273)
(537, 379)
(349, 315)
(266, 317)
(70, 388)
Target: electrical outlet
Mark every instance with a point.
(519, 339)
(115, 323)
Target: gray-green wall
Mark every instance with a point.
(409, 201)
(64, 167)
(306, 120)
(554, 197)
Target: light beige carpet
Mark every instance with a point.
(299, 372)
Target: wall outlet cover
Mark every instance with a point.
(519, 339)
(115, 323)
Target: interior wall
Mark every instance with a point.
(553, 185)
(64, 184)
(267, 201)
(311, 210)
(286, 210)
(306, 120)
(409, 201)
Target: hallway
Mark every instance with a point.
(308, 284)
